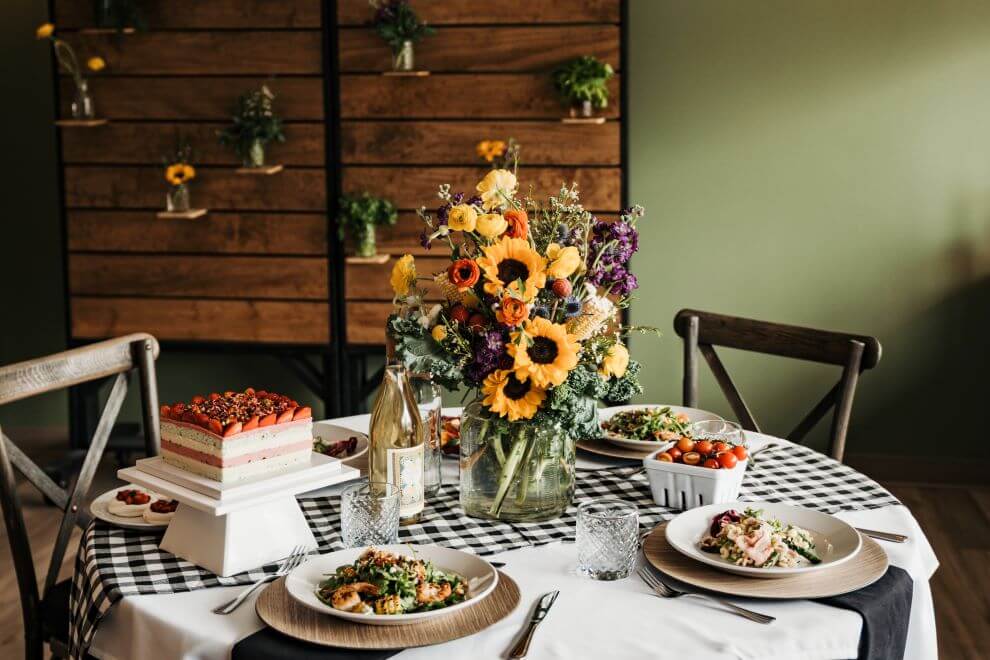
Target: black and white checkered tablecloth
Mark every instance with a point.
(113, 563)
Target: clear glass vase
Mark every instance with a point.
(364, 241)
(255, 154)
(177, 199)
(405, 59)
(519, 472)
(82, 103)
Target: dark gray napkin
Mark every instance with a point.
(268, 644)
(885, 607)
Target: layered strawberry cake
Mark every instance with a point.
(236, 435)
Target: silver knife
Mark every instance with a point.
(546, 602)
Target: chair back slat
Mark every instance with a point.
(72, 367)
(777, 339)
(38, 478)
(729, 388)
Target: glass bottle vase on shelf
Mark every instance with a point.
(82, 103)
(405, 59)
(397, 435)
(177, 199)
(430, 404)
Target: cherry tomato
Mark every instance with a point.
(740, 452)
(685, 444)
(665, 457)
(704, 447)
(720, 447)
(711, 463)
(727, 460)
(691, 458)
(675, 453)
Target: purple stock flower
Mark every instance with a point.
(611, 247)
(425, 241)
(489, 349)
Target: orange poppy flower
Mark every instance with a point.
(512, 311)
(518, 223)
(463, 273)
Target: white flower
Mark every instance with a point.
(429, 319)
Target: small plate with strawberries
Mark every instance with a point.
(125, 507)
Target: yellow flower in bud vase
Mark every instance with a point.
(615, 362)
(462, 217)
(510, 397)
(44, 30)
(490, 149)
(96, 64)
(439, 333)
(563, 260)
(491, 225)
(403, 275)
(179, 173)
(496, 188)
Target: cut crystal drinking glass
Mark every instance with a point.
(369, 514)
(607, 539)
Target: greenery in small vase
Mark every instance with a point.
(119, 14)
(499, 154)
(255, 125)
(396, 22)
(583, 80)
(359, 215)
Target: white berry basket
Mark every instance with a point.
(679, 486)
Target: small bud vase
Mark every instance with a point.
(256, 154)
(364, 242)
(177, 199)
(82, 102)
(405, 59)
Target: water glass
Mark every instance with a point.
(607, 539)
(718, 429)
(430, 404)
(369, 514)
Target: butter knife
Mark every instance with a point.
(546, 602)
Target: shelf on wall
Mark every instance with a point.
(596, 121)
(191, 214)
(81, 123)
(378, 259)
(261, 171)
(406, 74)
(96, 30)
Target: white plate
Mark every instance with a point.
(330, 433)
(98, 508)
(605, 414)
(481, 576)
(835, 541)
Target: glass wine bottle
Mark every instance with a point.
(397, 435)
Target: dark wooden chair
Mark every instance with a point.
(46, 615)
(703, 331)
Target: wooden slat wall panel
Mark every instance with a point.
(486, 49)
(366, 322)
(255, 321)
(206, 53)
(145, 144)
(192, 98)
(300, 278)
(454, 143)
(371, 281)
(413, 187)
(219, 189)
(452, 12)
(455, 96)
(227, 14)
(403, 237)
(216, 233)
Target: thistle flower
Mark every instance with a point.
(572, 307)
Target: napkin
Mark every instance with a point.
(885, 607)
(268, 644)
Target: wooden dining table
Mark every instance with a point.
(621, 619)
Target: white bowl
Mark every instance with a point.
(330, 433)
(836, 542)
(605, 414)
(680, 486)
(480, 575)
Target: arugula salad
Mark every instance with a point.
(650, 424)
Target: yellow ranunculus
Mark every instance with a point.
(615, 362)
(491, 225)
(439, 333)
(462, 217)
(44, 30)
(496, 188)
(96, 64)
(563, 260)
(403, 275)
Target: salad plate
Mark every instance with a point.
(339, 442)
(680, 419)
(479, 577)
(798, 541)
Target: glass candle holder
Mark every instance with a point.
(607, 539)
(369, 514)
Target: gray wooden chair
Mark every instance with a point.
(46, 614)
(703, 331)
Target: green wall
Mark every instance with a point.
(821, 162)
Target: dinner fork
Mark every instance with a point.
(660, 588)
(297, 557)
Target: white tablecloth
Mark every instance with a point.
(590, 619)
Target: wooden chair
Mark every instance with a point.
(46, 615)
(703, 331)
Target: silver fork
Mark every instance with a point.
(661, 589)
(297, 557)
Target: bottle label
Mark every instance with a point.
(405, 470)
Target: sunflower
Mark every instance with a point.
(544, 352)
(510, 262)
(179, 173)
(44, 30)
(510, 397)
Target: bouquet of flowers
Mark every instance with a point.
(528, 322)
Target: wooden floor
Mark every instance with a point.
(956, 520)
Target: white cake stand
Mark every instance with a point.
(230, 528)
